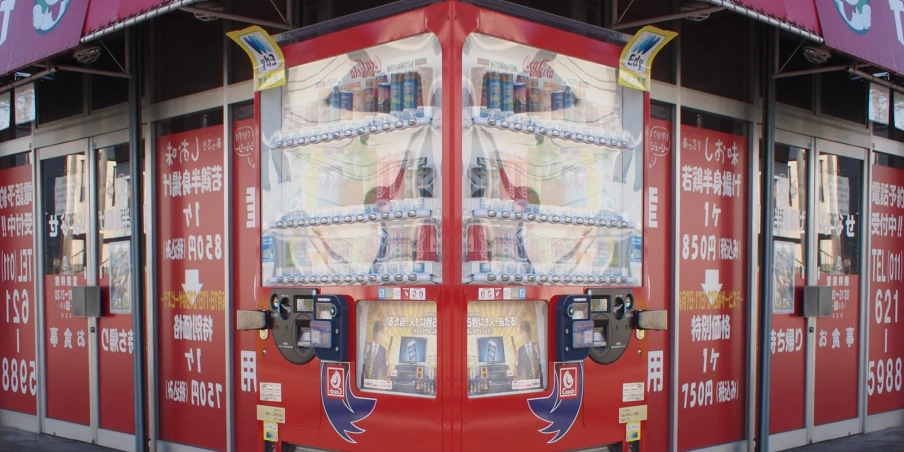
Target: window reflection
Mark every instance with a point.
(65, 221)
(838, 220)
(114, 223)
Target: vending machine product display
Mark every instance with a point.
(448, 282)
(352, 168)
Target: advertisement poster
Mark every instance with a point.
(17, 335)
(246, 275)
(712, 288)
(783, 277)
(397, 347)
(506, 347)
(886, 327)
(657, 264)
(120, 278)
(191, 285)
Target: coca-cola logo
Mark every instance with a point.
(538, 68)
(366, 68)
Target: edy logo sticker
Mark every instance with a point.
(637, 57)
(266, 56)
(342, 408)
(47, 14)
(560, 408)
(856, 13)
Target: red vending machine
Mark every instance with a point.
(452, 236)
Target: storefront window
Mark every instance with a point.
(507, 343)
(790, 221)
(843, 96)
(715, 57)
(114, 223)
(397, 347)
(552, 168)
(351, 169)
(59, 96)
(178, 71)
(840, 221)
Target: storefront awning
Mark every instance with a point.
(870, 31)
(795, 16)
(109, 16)
(30, 32)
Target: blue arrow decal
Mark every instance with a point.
(560, 409)
(343, 409)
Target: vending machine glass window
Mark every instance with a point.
(506, 347)
(552, 161)
(397, 347)
(351, 168)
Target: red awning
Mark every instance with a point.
(796, 16)
(107, 16)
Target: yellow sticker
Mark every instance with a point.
(637, 57)
(274, 414)
(625, 415)
(271, 432)
(266, 56)
(632, 432)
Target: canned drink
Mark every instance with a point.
(533, 93)
(358, 103)
(419, 90)
(334, 104)
(425, 244)
(569, 103)
(398, 243)
(346, 102)
(384, 97)
(508, 95)
(409, 90)
(494, 92)
(484, 86)
(370, 94)
(478, 243)
(520, 102)
(545, 101)
(558, 104)
(398, 83)
(507, 244)
(383, 250)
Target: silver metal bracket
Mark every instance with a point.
(652, 320)
(246, 320)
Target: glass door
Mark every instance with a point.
(68, 341)
(113, 213)
(838, 241)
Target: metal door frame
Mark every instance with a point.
(85, 433)
(854, 425)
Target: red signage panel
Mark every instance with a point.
(31, 31)
(886, 327)
(67, 351)
(191, 287)
(246, 271)
(657, 282)
(17, 335)
(117, 345)
(712, 288)
(870, 31)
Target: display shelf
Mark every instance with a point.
(555, 129)
(351, 218)
(286, 139)
(420, 273)
(539, 216)
(555, 278)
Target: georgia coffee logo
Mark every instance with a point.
(336, 377)
(536, 68)
(856, 13)
(366, 68)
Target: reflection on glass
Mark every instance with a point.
(65, 221)
(552, 168)
(351, 168)
(839, 218)
(114, 223)
(789, 223)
